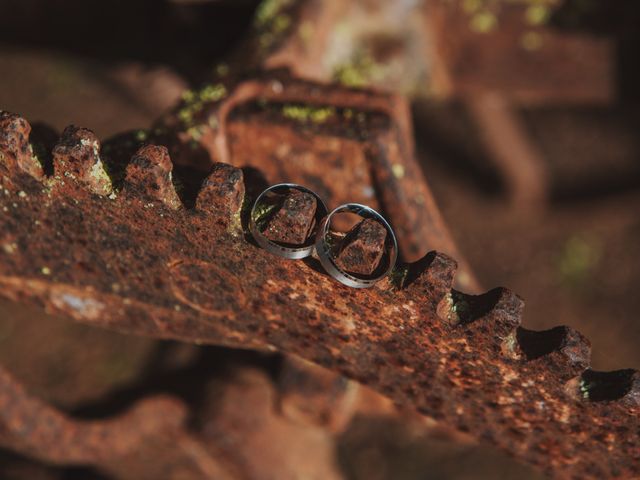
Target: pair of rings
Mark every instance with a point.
(321, 237)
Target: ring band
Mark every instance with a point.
(326, 257)
(293, 253)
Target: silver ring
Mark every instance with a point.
(326, 255)
(286, 251)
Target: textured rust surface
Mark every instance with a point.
(222, 191)
(76, 159)
(189, 274)
(17, 154)
(362, 248)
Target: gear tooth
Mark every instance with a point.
(507, 310)
(433, 274)
(16, 153)
(617, 385)
(76, 156)
(496, 313)
(149, 175)
(563, 350)
(222, 195)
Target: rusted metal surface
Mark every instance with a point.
(514, 48)
(238, 435)
(17, 153)
(527, 51)
(240, 423)
(372, 43)
(193, 275)
(493, 55)
(222, 191)
(126, 445)
(496, 56)
(76, 158)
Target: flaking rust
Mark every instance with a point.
(191, 274)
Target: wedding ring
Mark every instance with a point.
(327, 252)
(261, 211)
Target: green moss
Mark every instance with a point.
(222, 70)
(584, 389)
(321, 115)
(398, 276)
(460, 307)
(471, 6)
(196, 132)
(483, 22)
(38, 153)
(578, 259)
(159, 131)
(194, 101)
(537, 14)
(188, 96)
(271, 23)
(185, 115)
(212, 93)
(305, 32)
(359, 72)
(141, 135)
(281, 23)
(262, 213)
(398, 170)
(268, 11)
(99, 173)
(485, 15)
(511, 343)
(303, 113)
